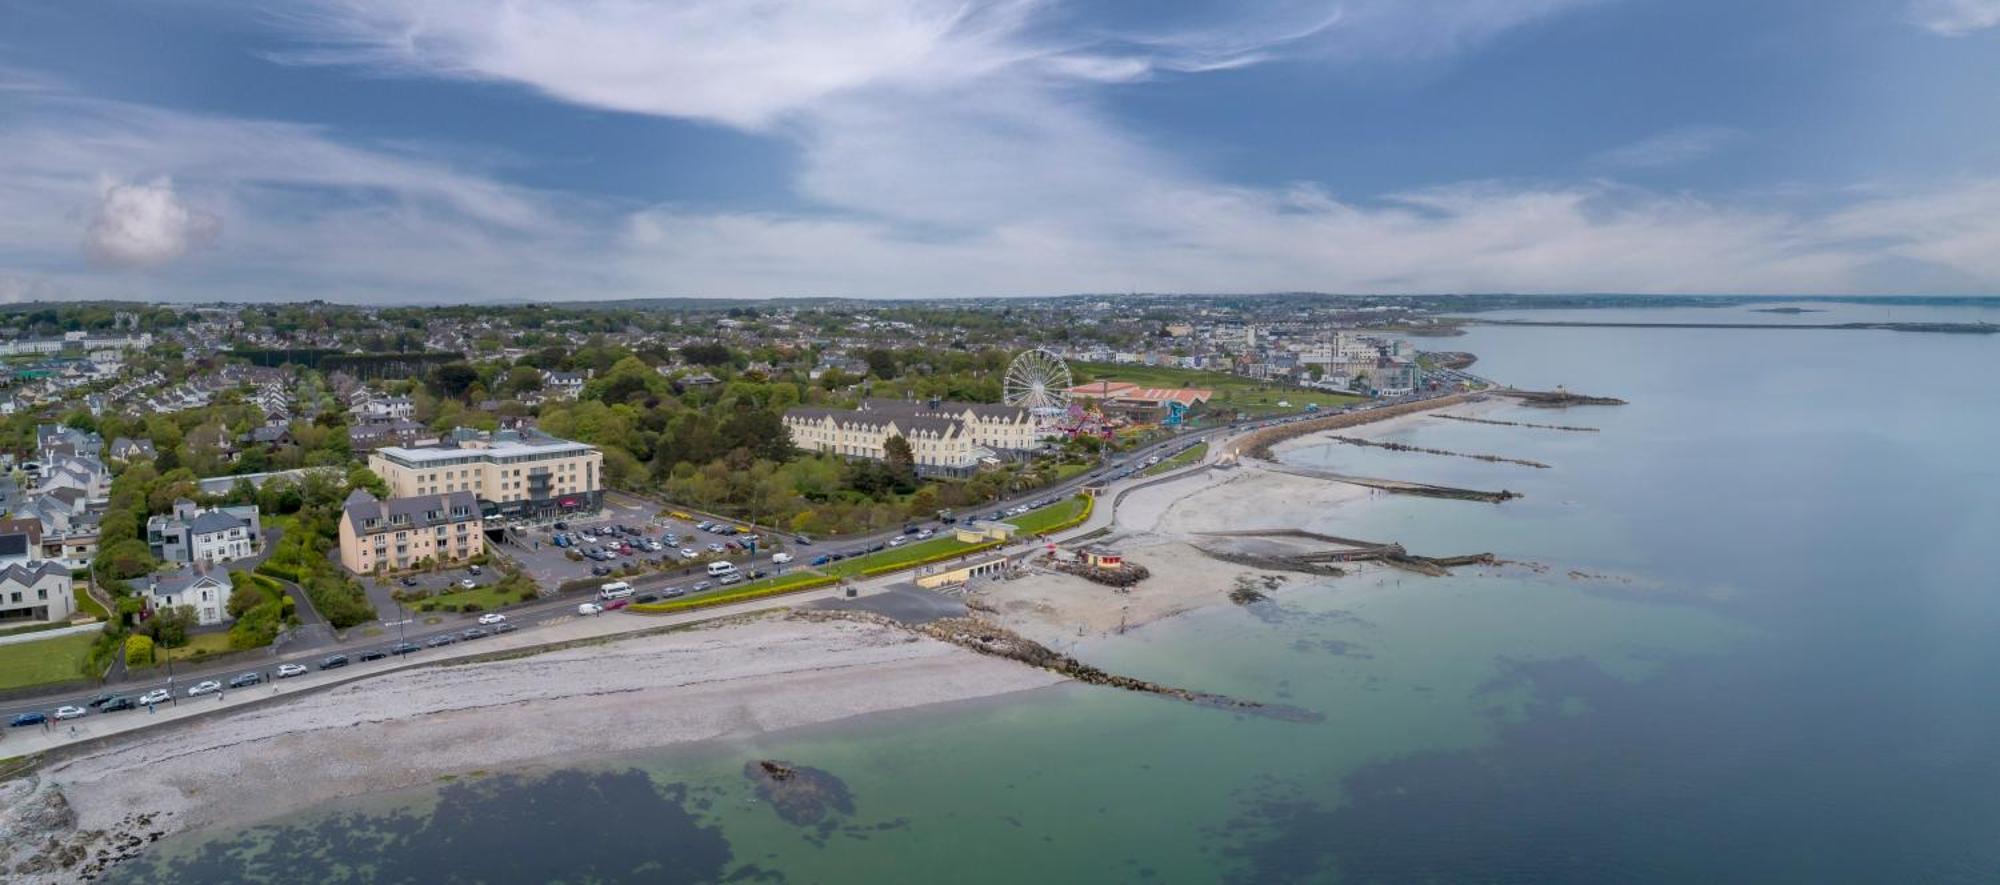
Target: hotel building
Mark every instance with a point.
(512, 473)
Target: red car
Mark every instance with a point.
(616, 603)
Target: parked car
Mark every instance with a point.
(156, 696)
(562, 526)
(731, 578)
(70, 711)
(472, 569)
(440, 640)
(899, 540)
(332, 661)
(245, 680)
(590, 608)
(373, 654)
(474, 633)
(616, 603)
(118, 703)
(287, 671)
(700, 586)
(802, 540)
(781, 558)
(646, 597)
(206, 686)
(408, 582)
(688, 553)
(492, 618)
(822, 559)
(404, 648)
(599, 571)
(675, 592)
(503, 628)
(925, 535)
(468, 583)
(26, 719)
(714, 547)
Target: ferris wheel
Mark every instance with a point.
(1038, 381)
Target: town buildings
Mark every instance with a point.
(210, 536)
(403, 533)
(511, 472)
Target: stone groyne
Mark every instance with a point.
(1469, 420)
(1402, 447)
(1258, 443)
(1558, 398)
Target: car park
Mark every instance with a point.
(287, 671)
(156, 696)
(118, 703)
(245, 680)
(26, 719)
(206, 686)
(69, 711)
(332, 661)
(492, 618)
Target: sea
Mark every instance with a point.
(1749, 631)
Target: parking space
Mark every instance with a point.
(625, 533)
(444, 580)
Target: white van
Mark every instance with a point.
(614, 590)
(718, 569)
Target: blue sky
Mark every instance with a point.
(467, 150)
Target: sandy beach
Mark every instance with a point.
(405, 729)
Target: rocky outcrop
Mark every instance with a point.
(39, 841)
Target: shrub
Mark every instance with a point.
(138, 651)
(471, 607)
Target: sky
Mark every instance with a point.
(447, 151)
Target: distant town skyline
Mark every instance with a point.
(445, 151)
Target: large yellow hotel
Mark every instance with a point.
(512, 473)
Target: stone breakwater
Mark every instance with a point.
(1401, 447)
(1557, 399)
(1258, 443)
(991, 639)
(1469, 420)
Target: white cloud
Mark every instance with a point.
(1955, 18)
(1674, 147)
(145, 223)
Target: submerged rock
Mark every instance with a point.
(801, 795)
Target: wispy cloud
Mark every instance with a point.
(1674, 147)
(1955, 18)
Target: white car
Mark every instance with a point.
(688, 553)
(899, 540)
(287, 671)
(590, 608)
(468, 583)
(781, 558)
(491, 618)
(156, 696)
(925, 534)
(208, 686)
(69, 713)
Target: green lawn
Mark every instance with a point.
(87, 605)
(489, 597)
(1181, 460)
(46, 660)
(1232, 392)
(200, 643)
(1031, 523)
(1037, 521)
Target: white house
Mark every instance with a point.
(205, 593)
(215, 535)
(35, 592)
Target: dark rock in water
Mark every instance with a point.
(800, 794)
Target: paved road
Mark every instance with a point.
(530, 617)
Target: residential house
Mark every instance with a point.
(35, 591)
(211, 536)
(197, 589)
(402, 533)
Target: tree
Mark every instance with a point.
(711, 354)
(138, 650)
(169, 626)
(900, 457)
(360, 477)
(452, 380)
(523, 379)
(881, 363)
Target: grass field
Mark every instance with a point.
(45, 660)
(86, 604)
(488, 597)
(1183, 459)
(1232, 392)
(200, 643)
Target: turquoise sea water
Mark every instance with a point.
(1777, 665)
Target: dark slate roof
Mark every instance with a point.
(14, 544)
(32, 572)
(209, 522)
(361, 507)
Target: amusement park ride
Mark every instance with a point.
(1040, 381)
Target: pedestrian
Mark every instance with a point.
(152, 709)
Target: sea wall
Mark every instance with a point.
(1258, 443)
